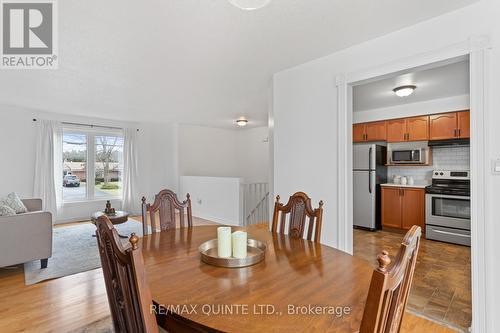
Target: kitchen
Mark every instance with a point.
(411, 161)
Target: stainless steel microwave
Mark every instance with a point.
(408, 156)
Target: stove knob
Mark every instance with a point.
(436, 173)
(441, 173)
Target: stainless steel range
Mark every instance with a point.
(447, 207)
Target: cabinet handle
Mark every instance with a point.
(455, 132)
(459, 132)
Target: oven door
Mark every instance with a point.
(447, 211)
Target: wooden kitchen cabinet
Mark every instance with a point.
(358, 132)
(408, 129)
(396, 130)
(374, 131)
(452, 125)
(463, 119)
(391, 207)
(413, 210)
(403, 207)
(417, 128)
(443, 126)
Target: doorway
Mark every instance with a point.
(477, 50)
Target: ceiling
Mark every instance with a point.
(451, 79)
(195, 61)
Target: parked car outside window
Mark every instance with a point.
(70, 180)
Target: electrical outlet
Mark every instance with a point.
(495, 167)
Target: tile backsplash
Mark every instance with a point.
(449, 158)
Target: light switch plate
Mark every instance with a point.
(496, 167)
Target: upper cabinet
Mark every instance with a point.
(375, 131)
(452, 125)
(396, 130)
(358, 132)
(418, 128)
(463, 124)
(408, 129)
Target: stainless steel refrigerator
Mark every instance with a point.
(369, 171)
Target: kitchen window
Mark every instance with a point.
(92, 165)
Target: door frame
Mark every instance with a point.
(477, 48)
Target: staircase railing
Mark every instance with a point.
(255, 203)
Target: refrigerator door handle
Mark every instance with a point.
(370, 158)
(370, 182)
(370, 170)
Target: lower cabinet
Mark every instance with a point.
(403, 207)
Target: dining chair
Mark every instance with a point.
(390, 287)
(166, 204)
(298, 209)
(129, 296)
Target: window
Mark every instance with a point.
(74, 166)
(108, 166)
(92, 165)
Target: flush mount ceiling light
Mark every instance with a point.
(250, 4)
(404, 91)
(242, 122)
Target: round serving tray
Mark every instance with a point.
(256, 251)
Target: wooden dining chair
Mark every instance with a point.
(390, 286)
(298, 209)
(166, 204)
(129, 296)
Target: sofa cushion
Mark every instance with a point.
(12, 200)
(6, 211)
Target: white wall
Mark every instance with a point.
(440, 105)
(157, 159)
(305, 103)
(218, 199)
(217, 152)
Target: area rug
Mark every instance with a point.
(74, 250)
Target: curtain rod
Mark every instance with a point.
(90, 125)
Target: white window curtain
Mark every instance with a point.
(131, 202)
(48, 165)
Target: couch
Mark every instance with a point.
(26, 237)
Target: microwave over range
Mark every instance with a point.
(408, 156)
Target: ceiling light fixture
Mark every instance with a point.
(249, 4)
(242, 122)
(404, 91)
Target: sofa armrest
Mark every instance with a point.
(33, 205)
(25, 237)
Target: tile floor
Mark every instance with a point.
(441, 287)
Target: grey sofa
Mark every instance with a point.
(26, 237)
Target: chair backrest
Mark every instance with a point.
(166, 204)
(128, 293)
(298, 209)
(390, 286)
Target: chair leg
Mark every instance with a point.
(44, 262)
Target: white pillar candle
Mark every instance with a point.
(239, 244)
(224, 242)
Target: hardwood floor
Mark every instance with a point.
(441, 287)
(68, 303)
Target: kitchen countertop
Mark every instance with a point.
(416, 185)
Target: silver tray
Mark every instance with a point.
(256, 251)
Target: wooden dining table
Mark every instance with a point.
(300, 286)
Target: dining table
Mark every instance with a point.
(300, 286)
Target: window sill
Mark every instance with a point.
(101, 200)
